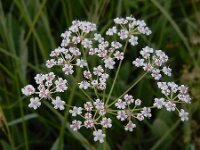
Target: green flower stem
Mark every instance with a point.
(67, 111)
(134, 109)
(164, 136)
(95, 90)
(102, 95)
(104, 91)
(138, 80)
(86, 95)
(104, 143)
(116, 75)
(83, 91)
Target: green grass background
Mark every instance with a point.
(30, 29)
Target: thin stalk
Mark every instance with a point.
(32, 25)
(23, 119)
(116, 75)
(104, 91)
(95, 90)
(67, 111)
(88, 96)
(159, 142)
(104, 143)
(138, 80)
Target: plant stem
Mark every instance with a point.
(87, 95)
(95, 90)
(67, 112)
(104, 143)
(116, 75)
(160, 141)
(138, 80)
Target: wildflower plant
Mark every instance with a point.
(82, 42)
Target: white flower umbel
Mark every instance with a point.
(153, 61)
(74, 58)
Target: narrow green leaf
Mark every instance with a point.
(20, 120)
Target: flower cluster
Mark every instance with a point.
(79, 44)
(174, 95)
(153, 61)
(47, 85)
(93, 114)
(129, 28)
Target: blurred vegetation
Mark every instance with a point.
(30, 29)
